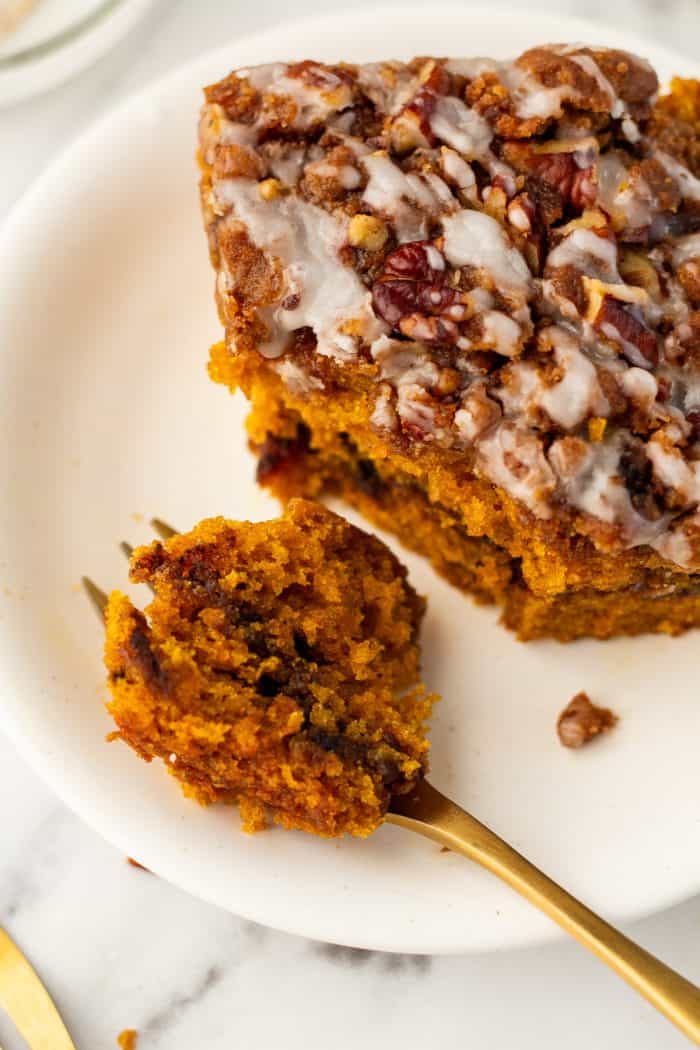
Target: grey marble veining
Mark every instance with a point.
(118, 947)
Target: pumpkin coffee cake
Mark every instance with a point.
(465, 295)
(276, 667)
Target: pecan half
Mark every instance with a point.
(617, 323)
(412, 293)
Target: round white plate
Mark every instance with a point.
(107, 414)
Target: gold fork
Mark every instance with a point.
(25, 1000)
(431, 814)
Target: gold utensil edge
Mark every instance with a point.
(430, 813)
(27, 1003)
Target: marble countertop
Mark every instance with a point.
(118, 947)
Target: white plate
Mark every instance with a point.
(106, 412)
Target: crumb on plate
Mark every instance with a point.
(581, 721)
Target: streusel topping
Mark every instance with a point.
(511, 250)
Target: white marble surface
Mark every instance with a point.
(119, 948)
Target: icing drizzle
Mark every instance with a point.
(592, 385)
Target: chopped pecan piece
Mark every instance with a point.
(617, 323)
(581, 721)
(560, 171)
(689, 276)
(410, 128)
(237, 162)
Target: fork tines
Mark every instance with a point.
(97, 596)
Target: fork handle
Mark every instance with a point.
(430, 813)
(27, 1003)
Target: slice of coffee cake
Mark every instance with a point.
(466, 295)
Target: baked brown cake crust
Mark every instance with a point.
(277, 667)
(486, 277)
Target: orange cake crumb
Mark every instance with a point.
(276, 667)
(136, 864)
(126, 1040)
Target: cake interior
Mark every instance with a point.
(293, 461)
(276, 667)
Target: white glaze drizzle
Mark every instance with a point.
(463, 129)
(589, 65)
(475, 239)
(512, 456)
(298, 380)
(406, 199)
(596, 488)
(688, 184)
(410, 371)
(287, 165)
(588, 253)
(460, 172)
(384, 415)
(306, 240)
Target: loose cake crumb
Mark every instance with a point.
(127, 1039)
(581, 721)
(135, 864)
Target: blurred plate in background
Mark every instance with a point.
(44, 42)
